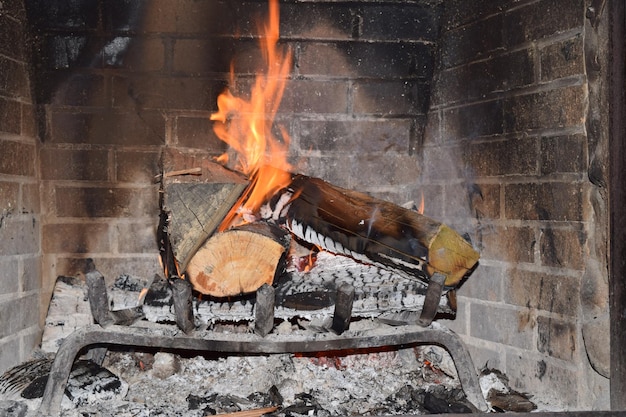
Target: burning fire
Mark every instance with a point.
(245, 125)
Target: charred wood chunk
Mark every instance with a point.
(264, 310)
(98, 299)
(376, 231)
(343, 308)
(183, 304)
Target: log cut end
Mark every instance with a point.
(451, 255)
(235, 262)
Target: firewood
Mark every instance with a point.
(196, 205)
(239, 260)
(372, 230)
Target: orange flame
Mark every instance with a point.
(245, 125)
(420, 209)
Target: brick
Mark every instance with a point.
(471, 42)
(32, 277)
(14, 79)
(349, 136)
(11, 116)
(504, 157)
(96, 202)
(76, 238)
(21, 235)
(170, 93)
(562, 154)
(509, 244)
(399, 170)
(111, 128)
(504, 72)
(227, 17)
(562, 248)
(74, 164)
(17, 158)
(456, 201)
(487, 77)
(391, 97)
(459, 324)
(198, 56)
(29, 122)
(442, 162)
(557, 338)
(496, 324)
(197, 132)
(361, 59)
(87, 90)
(9, 354)
(135, 54)
(309, 96)
(15, 9)
(485, 201)
(483, 357)
(11, 36)
(543, 291)
(18, 314)
(338, 170)
(545, 110)
(30, 198)
(459, 12)
(411, 22)
(9, 196)
(548, 382)
(323, 21)
(563, 59)
(63, 15)
(473, 120)
(542, 19)
(136, 167)
(161, 16)
(9, 275)
(137, 237)
(432, 196)
(485, 283)
(557, 201)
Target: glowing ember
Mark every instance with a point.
(245, 125)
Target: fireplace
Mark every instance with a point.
(496, 115)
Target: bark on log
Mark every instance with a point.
(375, 231)
(196, 204)
(239, 260)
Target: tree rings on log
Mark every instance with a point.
(239, 260)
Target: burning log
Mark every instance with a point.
(239, 260)
(372, 230)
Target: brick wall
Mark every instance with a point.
(506, 158)
(20, 253)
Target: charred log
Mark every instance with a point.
(372, 230)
